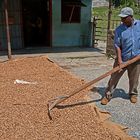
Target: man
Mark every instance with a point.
(127, 45)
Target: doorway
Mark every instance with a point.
(36, 22)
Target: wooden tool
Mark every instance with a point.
(59, 99)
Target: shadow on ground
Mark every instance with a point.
(39, 50)
(118, 93)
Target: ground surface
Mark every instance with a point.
(23, 107)
(90, 64)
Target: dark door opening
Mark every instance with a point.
(36, 22)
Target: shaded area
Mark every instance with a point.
(39, 50)
(118, 93)
(36, 22)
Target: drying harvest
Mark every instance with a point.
(26, 86)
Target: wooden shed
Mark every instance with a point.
(48, 23)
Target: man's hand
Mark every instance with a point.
(119, 56)
(119, 64)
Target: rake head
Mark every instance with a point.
(53, 103)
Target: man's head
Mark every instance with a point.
(126, 16)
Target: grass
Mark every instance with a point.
(102, 13)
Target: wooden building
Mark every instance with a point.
(48, 23)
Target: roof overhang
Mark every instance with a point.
(77, 3)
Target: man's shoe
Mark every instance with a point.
(105, 100)
(133, 98)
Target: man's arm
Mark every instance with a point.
(119, 56)
(117, 45)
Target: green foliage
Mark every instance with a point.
(102, 13)
(128, 2)
(124, 2)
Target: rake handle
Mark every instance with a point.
(95, 81)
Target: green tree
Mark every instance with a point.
(128, 2)
(118, 3)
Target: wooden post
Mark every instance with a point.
(94, 30)
(7, 30)
(109, 14)
(108, 26)
(50, 22)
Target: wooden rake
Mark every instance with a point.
(54, 102)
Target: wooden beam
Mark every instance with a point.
(7, 29)
(71, 15)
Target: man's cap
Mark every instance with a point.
(127, 11)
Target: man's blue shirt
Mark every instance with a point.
(128, 39)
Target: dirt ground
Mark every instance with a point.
(23, 106)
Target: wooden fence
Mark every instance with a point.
(100, 28)
(101, 32)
